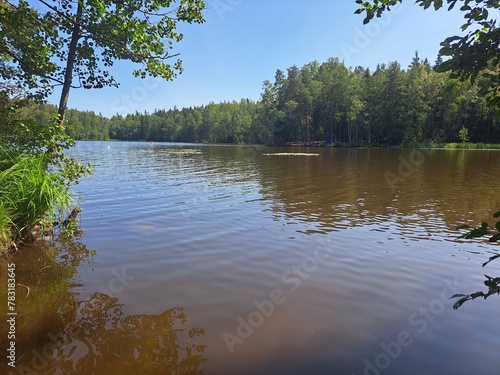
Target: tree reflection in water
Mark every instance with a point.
(101, 341)
(57, 334)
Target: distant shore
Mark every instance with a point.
(448, 146)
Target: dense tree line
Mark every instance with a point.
(80, 125)
(214, 123)
(325, 103)
(389, 106)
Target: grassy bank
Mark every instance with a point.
(30, 193)
(456, 145)
(473, 146)
(450, 146)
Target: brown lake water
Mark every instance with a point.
(227, 260)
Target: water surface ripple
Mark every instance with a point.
(353, 261)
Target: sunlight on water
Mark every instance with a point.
(224, 260)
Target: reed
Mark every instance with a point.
(29, 192)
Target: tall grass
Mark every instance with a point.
(29, 192)
(455, 145)
(473, 146)
(5, 233)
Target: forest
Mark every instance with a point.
(319, 103)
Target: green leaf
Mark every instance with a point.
(477, 232)
(444, 67)
(451, 39)
(496, 214)
(491, 283)
(460, 302)
(491, 259)
(446, 51)
(477, 294)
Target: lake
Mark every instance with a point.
(215, 259)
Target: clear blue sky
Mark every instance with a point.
(244, 42)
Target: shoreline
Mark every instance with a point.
(321, 144)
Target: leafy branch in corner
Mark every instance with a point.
(493, 283)
(470, 55)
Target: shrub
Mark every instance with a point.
(29, 192)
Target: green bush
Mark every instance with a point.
(29, 192)
(35, 172)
